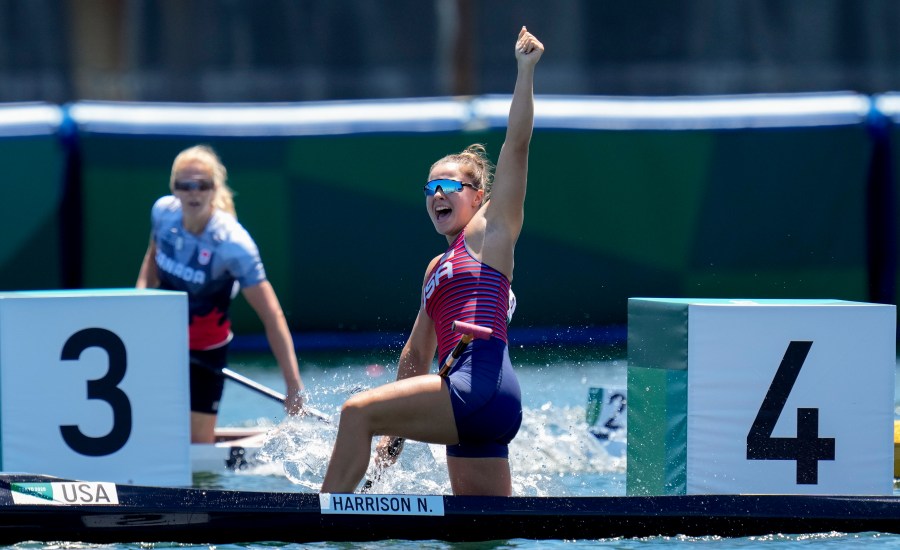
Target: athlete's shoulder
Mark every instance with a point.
(226, 225)
(167, 202)
(230, 234)
(165, 208)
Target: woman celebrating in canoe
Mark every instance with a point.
(476, 410)
(198, 246)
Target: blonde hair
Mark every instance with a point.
(224, 195)
(474, 163)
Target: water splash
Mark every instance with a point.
(553, 446)
(302, 445)
(420, 469)
(558, 440)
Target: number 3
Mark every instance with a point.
(105, 389)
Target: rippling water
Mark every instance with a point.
(554, 454)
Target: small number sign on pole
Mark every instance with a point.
(94, 385)
(760, 396)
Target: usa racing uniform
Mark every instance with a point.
(484, 390)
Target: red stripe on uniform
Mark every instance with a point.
(475, 293)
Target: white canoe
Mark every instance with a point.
(234, 449)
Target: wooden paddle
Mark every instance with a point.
(259, 388)
(469, 333)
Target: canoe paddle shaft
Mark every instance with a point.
(253, 385)
(259, 388)
(469, 333)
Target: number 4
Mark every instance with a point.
(807, 448)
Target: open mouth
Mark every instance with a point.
(441, 212)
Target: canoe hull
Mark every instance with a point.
(153, 514)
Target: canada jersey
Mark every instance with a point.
(460, 288)
(205, 266)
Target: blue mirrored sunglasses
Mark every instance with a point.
(446, 186)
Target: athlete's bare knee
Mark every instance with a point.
(354, 412)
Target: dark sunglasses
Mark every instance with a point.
(200, 185)
(446, 186)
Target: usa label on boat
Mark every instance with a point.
(62, 493)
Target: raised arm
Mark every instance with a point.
(507, 200)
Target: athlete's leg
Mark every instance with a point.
(203, 427)
(479, 476)
(206, 392)
(416, 408)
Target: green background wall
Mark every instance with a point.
(34, 163)
(885, 181)
(341, 225)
